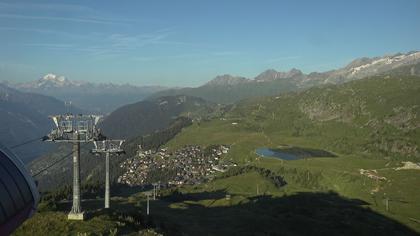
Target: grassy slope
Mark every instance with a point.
(57, 224)
(123, 219)
(367, 116)
(339, 125)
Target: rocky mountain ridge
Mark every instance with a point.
(229, 89)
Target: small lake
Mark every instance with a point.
(292, 153)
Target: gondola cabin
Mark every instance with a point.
(18, 192)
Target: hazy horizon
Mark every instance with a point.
(186, 44)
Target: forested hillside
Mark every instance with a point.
(145, 117)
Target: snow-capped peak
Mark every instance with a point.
(382, 63)
(52, 80)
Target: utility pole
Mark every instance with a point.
(147, 204)
(155, 190)
(148, 194)
(107, 146)
(386, 201)
(74, 129)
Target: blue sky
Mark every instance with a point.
(186, 43)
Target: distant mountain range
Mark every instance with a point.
(158, 112)
(93, 97)
(24, 116)
(106, 97)
(229, 89)
(343, 118)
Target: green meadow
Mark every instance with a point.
(370, 125)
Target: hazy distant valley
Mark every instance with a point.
(99, 98)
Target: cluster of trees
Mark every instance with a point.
(302, 177)
(273, 177)
(159, 138)
(92, 189)
(155, 140)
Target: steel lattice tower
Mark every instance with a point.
(108, 146)
(75, 129)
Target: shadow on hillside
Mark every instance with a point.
(87, 205)
(122, 190)
(179, 197)
(298, 214)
